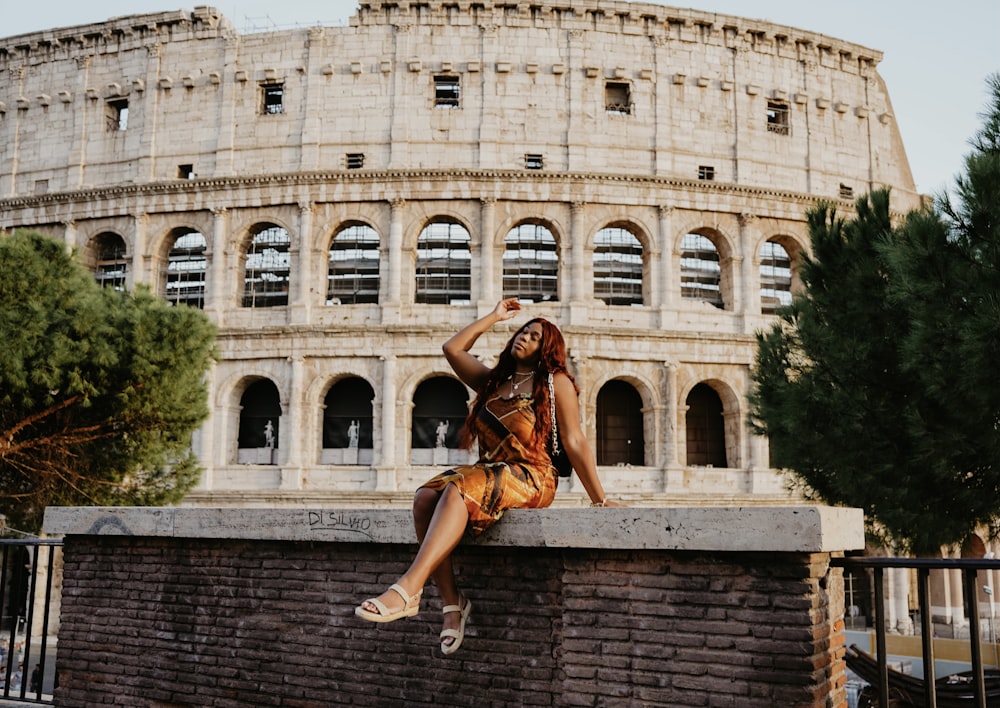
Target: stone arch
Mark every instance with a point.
(609, 279)
(347, 421)
(795, 248)
(181, 270)
(439, 404)
(109, 258)
(438, 213)
(621, 423)
(517, 214)
(443, 279)
(726, 252)
(357, 277)
(732, 418)
(259, 423)
(532, 275)
(267, 274)
(241, 230)
(87, 230)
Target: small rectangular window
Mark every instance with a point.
(617, 98)
(185, 171)
(706, 172)
(777, 118)
(533, 161)
(355, 160)
(447, 91)
(116, 114)
(846, 192)
(272, 99)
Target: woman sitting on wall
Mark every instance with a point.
(512, 420)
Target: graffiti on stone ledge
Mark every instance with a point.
(341, 522)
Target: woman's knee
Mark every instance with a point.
(424, 502)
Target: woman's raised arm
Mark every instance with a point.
(468, 368)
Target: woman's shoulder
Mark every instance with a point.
(564, 383)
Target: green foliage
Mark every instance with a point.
(876, 387)
(100, 391)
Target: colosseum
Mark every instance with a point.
(340, 200)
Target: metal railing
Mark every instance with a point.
(26, 580)
(969, 568)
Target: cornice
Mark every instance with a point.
(386, 178)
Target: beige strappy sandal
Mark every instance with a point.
(411, 606)
(457, 634)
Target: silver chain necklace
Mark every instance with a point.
(515, 384)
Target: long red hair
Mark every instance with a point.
(551, 359)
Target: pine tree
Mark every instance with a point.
(876, 387)
(100, 391)
(947, 272)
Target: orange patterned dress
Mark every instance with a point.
(513, 471)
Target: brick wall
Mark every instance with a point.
(165, 622)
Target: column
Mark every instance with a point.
(384, 442)
(70, 234)
(208, 452)
(393, 278)
(302, 266)
(577, 242)
(576, 94)
(16, 73)
(312, 121)
(141, 270)
(150, 112)
(215, 287)
(673, 478)
(666, 293)
(957, 597)
(750, 290)
(76, 160)
(290, 443)
(487, 280)
(900, 600)
(663, 150)
(579, 288)
(234, 91)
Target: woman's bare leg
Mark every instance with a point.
(439, 526)
(424, 504)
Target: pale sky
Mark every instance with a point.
(937, 55)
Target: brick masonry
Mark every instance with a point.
(165, 622)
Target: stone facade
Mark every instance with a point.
(615, 130)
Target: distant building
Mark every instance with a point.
(340, 200)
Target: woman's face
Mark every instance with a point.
(527, 344)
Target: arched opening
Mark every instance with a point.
(268, 261)
(353, 274)
(348, 423)
(444, 265)
(187, 265)
(775, 277)
(110, 266)
(530, 264)
(706, 432)
(617, 267)
(701, 272)
(260, 419)
(620, 439)
(440, 405)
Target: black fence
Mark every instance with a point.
(980, 689)
(27, 663)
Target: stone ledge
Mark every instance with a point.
(788, 529)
